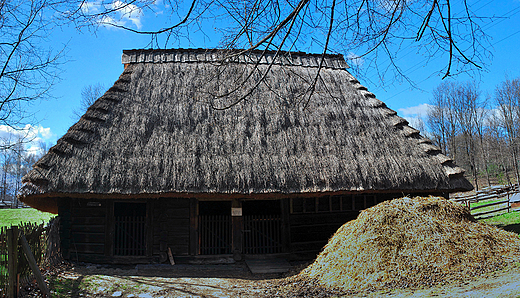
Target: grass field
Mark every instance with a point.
(472, 205)
(9, 217)
(507, 221)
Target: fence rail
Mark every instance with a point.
(29, 244)
(497, 196)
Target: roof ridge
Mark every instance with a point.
(333, 61)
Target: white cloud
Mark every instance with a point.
(355, 60)
(128, 12)
(125, 14)
(417, 111)
(90, 7)
(416, 116)
(31, 136)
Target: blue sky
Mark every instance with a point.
(94, 56)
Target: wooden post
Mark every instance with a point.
(34, 266)
(64, 212)
(508, 203)
(237, 227)
(109, 229)
(12, 258)
(149, 227)
(286, 229)
(194, 229)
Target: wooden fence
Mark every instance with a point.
(215, 234)
(130, 236)
(23, 249)
(262, 234)
(497, 197)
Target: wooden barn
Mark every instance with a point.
(214, 152)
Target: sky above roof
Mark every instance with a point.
(93, 56)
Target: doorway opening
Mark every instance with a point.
(215, 228)
(262, 227)
(129, 229)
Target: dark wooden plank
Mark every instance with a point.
(178, 223)
(109, 229)
(179, 249)
(65, 225)
(193, 233)
(181, 212)
(148, 228)
(12, 261)
(286, 228)
(89, 212)
(92, 258)
(237, 228)
(88, 220)
(491, 211)
(87, 228)
(89, 203)
(98, 238)
(87, 248)
(172, 232)
(490, 204)
(175, 203)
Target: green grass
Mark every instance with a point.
(507, 221)
(490, 208)
(9, 217)
(483, 203)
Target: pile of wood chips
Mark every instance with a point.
(410, 242)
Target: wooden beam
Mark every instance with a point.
(286, 227)
(229, 196)
(34, 266)
(109, 229)
(489, 204)
(12, 259)
(194, 229)
(237, 223)
(64, 212)
(149, 227)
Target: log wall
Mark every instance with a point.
(82, 229)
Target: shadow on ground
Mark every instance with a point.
(512, 228)
(237, 270)
(161, 280)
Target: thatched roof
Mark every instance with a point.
(157, 130)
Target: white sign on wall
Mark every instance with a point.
(236, 211)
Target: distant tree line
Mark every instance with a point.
(15, 162)
(481, 133)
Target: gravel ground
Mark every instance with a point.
(235, 280)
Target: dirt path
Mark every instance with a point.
(235, 280)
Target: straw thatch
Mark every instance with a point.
(157, 130)
(410, 242)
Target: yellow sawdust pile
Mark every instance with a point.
(410, 242)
